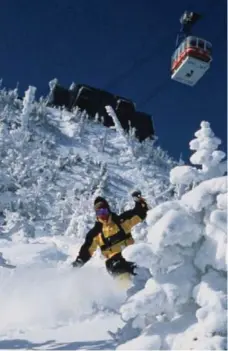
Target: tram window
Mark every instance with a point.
(184, 45)
(192, 42)
(174, 56)
(208, 47)
(178, 51)
(187, 42)
(201, 44)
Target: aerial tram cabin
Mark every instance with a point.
(192, 56)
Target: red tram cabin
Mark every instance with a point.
(193, 55)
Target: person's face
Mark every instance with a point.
(102, 213)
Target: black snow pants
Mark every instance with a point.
(117, 265)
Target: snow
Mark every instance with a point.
(205, 146)
(185, 238)
(143, 342)
(141, 254)
(53, 164)
(210, 294)
(206, 156)
(222, 201)
(158, 211)
(203, 195)
(45, 299)
(219, 218)
(175, 227)
(185, 175)
(195, 339)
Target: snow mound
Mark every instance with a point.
(142, 342)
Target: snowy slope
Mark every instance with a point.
(53, 164)
(44, 304)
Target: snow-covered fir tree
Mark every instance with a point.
(186, 255)
(206, 154)
(206, 157)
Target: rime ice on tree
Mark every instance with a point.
(206, 155)
(27, 105)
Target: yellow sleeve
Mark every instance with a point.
(93, 246)
(128, 224)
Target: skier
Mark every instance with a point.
(111, 233)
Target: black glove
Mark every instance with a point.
(139, 200)
(78, 263)
(137, 196)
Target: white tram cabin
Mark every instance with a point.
(191, 60)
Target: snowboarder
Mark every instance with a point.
(111, 233)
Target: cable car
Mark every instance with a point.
(192, 56)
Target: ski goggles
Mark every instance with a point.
(102, 212)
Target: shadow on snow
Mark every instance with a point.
(17, 344)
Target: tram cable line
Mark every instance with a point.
(159, 49)
(164, 85)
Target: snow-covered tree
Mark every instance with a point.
(27, 106)
(206, 155)
(52, 84)
(121, 131)
(186, 254)
(148, 160)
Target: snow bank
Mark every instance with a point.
(142, 342)
(195, 339)
(39, 296)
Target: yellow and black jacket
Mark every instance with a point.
(114, 235)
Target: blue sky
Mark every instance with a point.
(124, 46)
